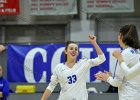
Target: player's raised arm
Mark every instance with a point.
(101, 58)
(92, 39)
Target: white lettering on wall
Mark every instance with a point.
(112, 60)
(28, 65)
(56, 58)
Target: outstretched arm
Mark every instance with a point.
(106, 76)
(51, 86)
(46, 94)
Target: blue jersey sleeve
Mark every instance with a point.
(6, 89)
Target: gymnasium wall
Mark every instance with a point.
(27, 29)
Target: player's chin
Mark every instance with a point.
(73, 57)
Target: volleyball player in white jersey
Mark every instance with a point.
(129, 72)
(128, 89)
(71, 75)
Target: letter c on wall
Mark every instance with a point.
(28, 64)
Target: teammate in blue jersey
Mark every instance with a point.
(128, 88)
(4, 85)
(71, 75)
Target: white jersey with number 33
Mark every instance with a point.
(73, 80)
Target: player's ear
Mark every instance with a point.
(121, 37)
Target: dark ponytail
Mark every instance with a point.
(130, 36)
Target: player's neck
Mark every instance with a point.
(70, 63)
(125, 46)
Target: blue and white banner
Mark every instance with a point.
(35, 63)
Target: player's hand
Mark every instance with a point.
(97, 75)
(2, 48)
(117, 54)
(92, 38)
(102, 76)
(108, 72)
